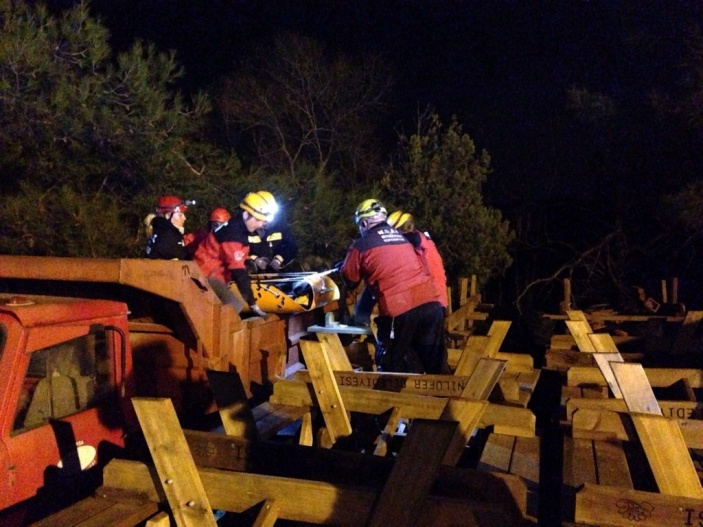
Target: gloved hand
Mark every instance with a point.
(257, 311)
(275, 265)
(337, 265)
(262, 263)
(250, 266)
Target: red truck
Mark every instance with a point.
(65, 376)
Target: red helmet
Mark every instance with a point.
(171, 204)
(220, 215)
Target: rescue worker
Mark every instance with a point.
(425, 246)
(406, 295)
(166, 229)
(207, 256)
(273, 246)
(405, 223)
(230, 244)
(218, 216)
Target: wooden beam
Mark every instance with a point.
(178, 475)
(680, 410)
(668, 456)
(267, 515)
(594, 423)
(160, 519)
(603, 505)
(106, 508)
(326, 389)
(335, 351)
(468, 415)
(381, 448)
(413, 474)
(657, 377)
(603, 342)
(483, 379)
(635, 388)
(580, 329)
(312, 501)
(507, 419)
(497, 333)
(474, 349)
(603, 361)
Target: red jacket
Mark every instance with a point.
(224, 253)
(194, 239)
(429, 252)
(391, 267)
(207, 256)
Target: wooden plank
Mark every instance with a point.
(506, 419)
(410, 481)
(107, 508)
(562, 342)
(578, 316)
(657, 377)
(611, 462)
(272, 418)
(482, 346)
(381, 448)
(603, 361)
(160, 519)
(306, 430)
(177, 472)
(474, 349)
(525, 461)
(213, 450)
(613, 506)
(681, 410)
(267, 515)
(410, 383)
(594, 423)
(497, 453)
(519, 362)
(497, 333)
(461, 318)
(483, 379)
(668, 456)
(232, 403)
(311, 501)
(580, 329)
(335, 351)
(467, 414)
(579, 462)
(603, 343)
(326, 389)
(635, 388)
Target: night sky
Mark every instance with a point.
(502, 67)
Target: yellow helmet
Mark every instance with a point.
(368, 209)
(399, 220)
(261, 205)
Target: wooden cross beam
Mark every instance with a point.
(178, 477)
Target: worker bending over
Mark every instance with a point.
(225, 252)
(406, 294)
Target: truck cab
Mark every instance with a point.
(65, 371)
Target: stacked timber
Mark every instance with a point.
(631, 438)
(605, 441)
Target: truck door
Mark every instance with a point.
(59, 412)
